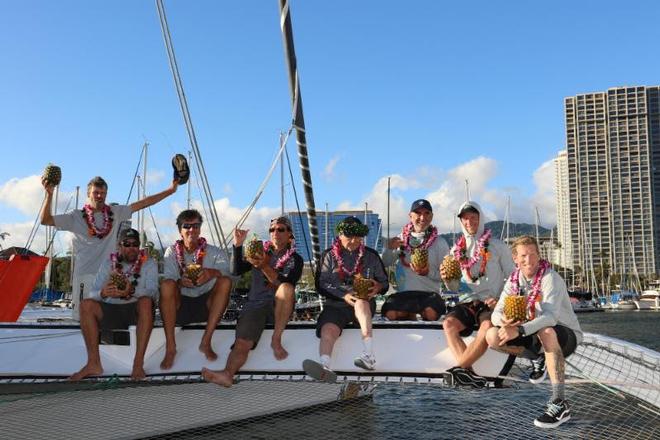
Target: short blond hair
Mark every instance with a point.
(525, 240)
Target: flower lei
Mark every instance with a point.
(336, 253)
(88, 216)
(430, 235)
(269, 247)
(481, 250)
(135, 269)
(533, 296)
(198, 256)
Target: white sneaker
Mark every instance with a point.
(366, 361)
(319, 371)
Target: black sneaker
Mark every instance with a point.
(467, 378)
(556, 413)
(539, 371)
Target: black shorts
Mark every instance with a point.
(252, 322)
(414, 301)
(340, 314)
(471, 315)
(118, 316)
(193, 309)
(533, 347)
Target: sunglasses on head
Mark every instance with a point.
(281, 229)
(130, 243)
(191, 225)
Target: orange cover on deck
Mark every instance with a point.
(18, 276)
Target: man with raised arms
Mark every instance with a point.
(346, 262)
(485, 263)
(195, 287)
(417, 287)
(550, 327)
(122, 294)
(271, 297)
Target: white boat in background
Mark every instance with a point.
(649, 300)
(623, 300)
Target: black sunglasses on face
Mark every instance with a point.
(191, 225)
(127, 243)
(271, 230)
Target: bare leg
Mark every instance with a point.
(477, 348)
(363, 315)
(554, 360)
(453, 327)
(284, 301)
(329, 335)
(493, 341)
(396, 315)
(429, 314)
(90, 316)
(237, 358)
(217, 304)
(145, 324)
(170, 301)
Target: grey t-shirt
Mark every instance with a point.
(90, 251)
(214, 259)
(147, 283)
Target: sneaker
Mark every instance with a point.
(556, 413)
(539, 371)
(467, 377)
(365, 361)
(318, 371)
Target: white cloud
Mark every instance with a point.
(27, 195)
(155, 177)
(329, 170)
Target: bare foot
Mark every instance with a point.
(218, 377)
(138, 373)
(278, 350)
(208, 351)
(90, 369)
(168, 360)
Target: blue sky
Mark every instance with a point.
(428, 92)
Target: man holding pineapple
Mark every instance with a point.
(276, 268)
(417, 252)
(484, 263)
(123, 294)
(195, 287)
(545, 329)
(350, 276)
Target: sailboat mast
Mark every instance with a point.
(299, 124)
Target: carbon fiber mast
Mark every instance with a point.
(299, 123)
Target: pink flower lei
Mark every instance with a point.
(480, 251)
(88, 216)
(430, 235)
(270, 248)
(533, 296)
(198, 256)
(135, 269)
(336, 253)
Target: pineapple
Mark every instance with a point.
(52, 175)
(452, 271)
(193, 271)
(420, 258)
(255, 248)
(515, 308)
(118, 280)
(361, 286)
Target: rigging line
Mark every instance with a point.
(35, 227)
(217, 227)
(312, 261)
(153, 220)
(137, 170)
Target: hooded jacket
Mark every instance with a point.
(499, 266)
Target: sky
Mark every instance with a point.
(427, 93)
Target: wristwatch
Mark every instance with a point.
(521, 331)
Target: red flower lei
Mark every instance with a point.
(430, 235)
(198, 256)
(481, 250)
(534, 295)
(268, 248)
(135, 269)
(92, 230)
(336, 253)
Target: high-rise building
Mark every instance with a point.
(327, 234)
(613, 149)
(563, 253)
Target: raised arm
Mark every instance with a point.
(154, 198)
(45, 215)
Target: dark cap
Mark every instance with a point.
(421, 204)
(283, 221)
(468, 208)
(129, 233)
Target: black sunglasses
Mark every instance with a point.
(271, 230)
(130, 243)
(191, 225)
